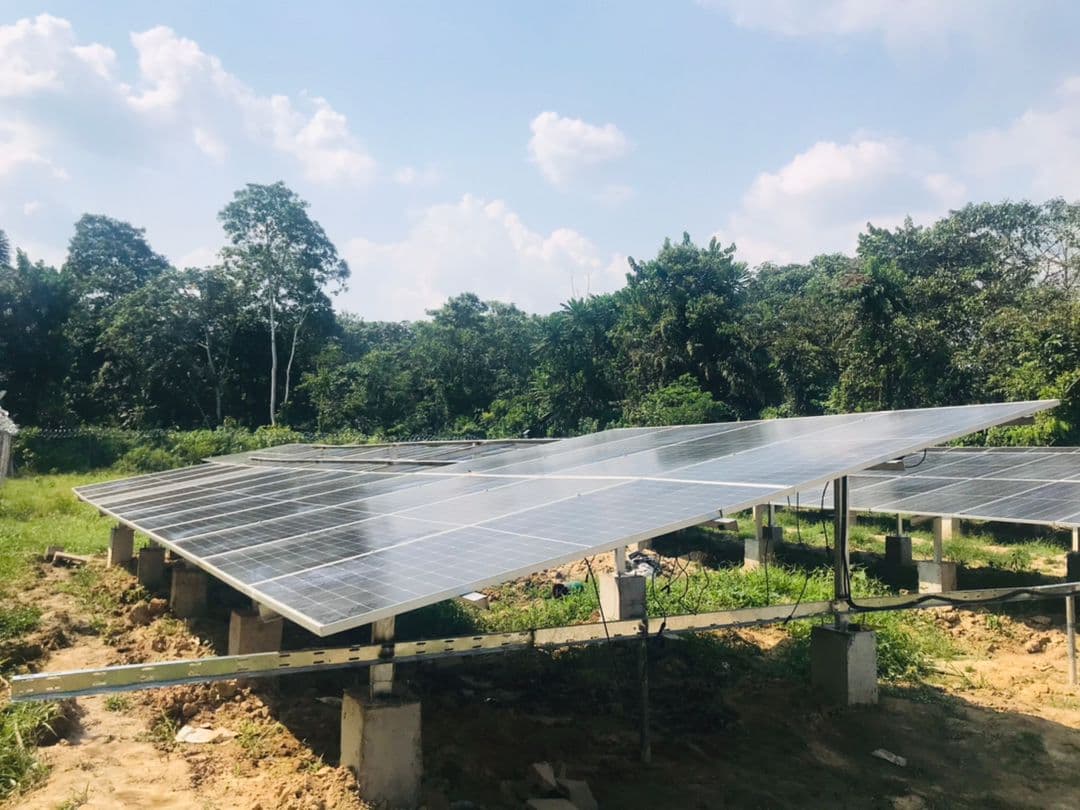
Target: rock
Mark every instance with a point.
(140, 616)
(159, 644)
(201, 736)
(912, 801)
(549, 804)
(579, 794)
(542, 775)
(189, 710)
(889, 756)
(158, 606)
(1041, 621)
(1037, 645)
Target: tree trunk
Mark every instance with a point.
(218, 384)
(292, 355)
(273, 363)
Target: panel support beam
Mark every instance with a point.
(381, 676)
(841, 554)
(49, 686)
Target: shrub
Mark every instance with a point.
(148, 459)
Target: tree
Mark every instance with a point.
(285, 260)
(5, 250)
(681, 315)
(34, 357)
(107, 259)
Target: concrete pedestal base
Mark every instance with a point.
(250, 633)
(898, 550)
(121, 545)
(1072, 566)
(380, 743)
(622, 597)
(754, 550)
(843, 664)
(935, 577)
(150, 567)
(187, 597)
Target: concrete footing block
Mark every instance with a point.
(898, 550)
(150, 566)
(936, 577)
(1072, 566)
(380, 743)
(843, 664)
(121, 546)
(622, 597)
(755, 550)
(249, 632)
(187, 597)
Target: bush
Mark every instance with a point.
(148, 459)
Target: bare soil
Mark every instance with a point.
(998, 727)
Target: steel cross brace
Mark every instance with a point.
(47, 686)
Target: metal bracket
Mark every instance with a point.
(45, 686)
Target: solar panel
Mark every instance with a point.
(1039, 485)
(370, 540)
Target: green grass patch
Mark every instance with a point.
(21, 725)
(18, 620)
(40, 511)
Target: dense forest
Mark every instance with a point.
(981, 305)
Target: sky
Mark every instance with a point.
(523, 151)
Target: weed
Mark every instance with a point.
(162, 732)
(18, 620)
(76, 799)
(255, 738)
(117, 703)
(21, 725)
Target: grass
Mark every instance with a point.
(117, 703)
(162, 732)
(40, 511)
(21, 724)
(255, 738)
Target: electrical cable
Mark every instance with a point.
(913, 466)
(596, 587)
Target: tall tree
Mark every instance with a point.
(5, 250)
(285, 260)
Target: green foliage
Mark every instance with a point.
(17, 620)
(147, 459)
(681, 403)
(982, 305)
(21, 725)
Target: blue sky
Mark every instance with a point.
(522, 151)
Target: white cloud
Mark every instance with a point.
(180, 82)
(199, 257)
(898, 22)
(820, 200)
(31, 207)
(31, 54)
(562, 147)
(1040, 148)
(98, 58)
(22, 145)
(210, 144)
(179, 87)
(474, 245)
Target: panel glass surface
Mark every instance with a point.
(339, 546)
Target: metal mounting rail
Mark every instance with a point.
(46, 686)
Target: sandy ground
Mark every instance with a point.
(998, 727)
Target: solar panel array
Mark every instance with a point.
(332, 547)
(1039, 485)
